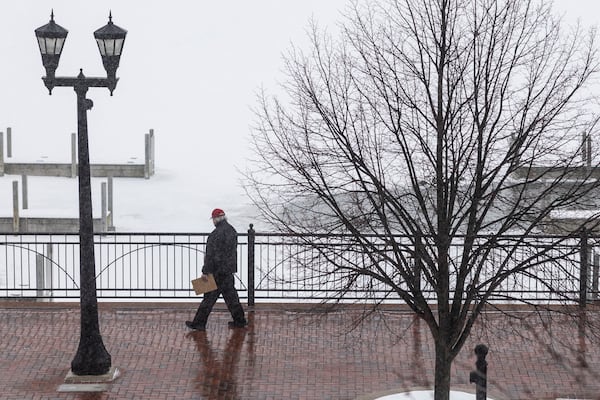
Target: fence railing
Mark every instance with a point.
(274, 267)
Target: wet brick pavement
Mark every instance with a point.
(283, 354)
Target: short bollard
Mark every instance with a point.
(479, 376)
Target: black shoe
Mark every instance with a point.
(194, 326)
(236, 324)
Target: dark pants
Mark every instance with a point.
(225, 286)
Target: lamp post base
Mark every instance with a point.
(112, 374)
(92, 357)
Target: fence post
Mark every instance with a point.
(39, 275)
(8, 142)
(24, 190)
(251, 239)
(479, 376)
(103, 206)
(48, 271)
(589, 151)
(152, 152)
(147, 156)
(73, 155)
(583, 268)
(418, 266)
(583, 290)
(1, 154)
(595, 271)
(111, 226)
(584, 147)
(15, 187)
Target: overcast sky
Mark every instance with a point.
(190, 70)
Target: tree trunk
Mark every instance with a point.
(443, 363)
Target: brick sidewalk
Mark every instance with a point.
(282, 355)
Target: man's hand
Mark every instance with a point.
(204, 278)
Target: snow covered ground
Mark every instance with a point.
(427, 395)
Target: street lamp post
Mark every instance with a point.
(92, 357)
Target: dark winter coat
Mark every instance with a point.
(221, 250)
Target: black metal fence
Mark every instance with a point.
(271, 267)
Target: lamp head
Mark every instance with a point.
(110, 39)
(51, 39)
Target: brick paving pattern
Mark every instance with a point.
(283, 354)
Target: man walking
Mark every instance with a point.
(221, 261)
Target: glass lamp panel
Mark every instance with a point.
(101, 47)
(42, 45)
(60, 42)
(50, 46)
(118, 46)
(110, 46)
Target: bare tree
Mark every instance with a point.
(440, 122)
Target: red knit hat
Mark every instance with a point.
(217, 212)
